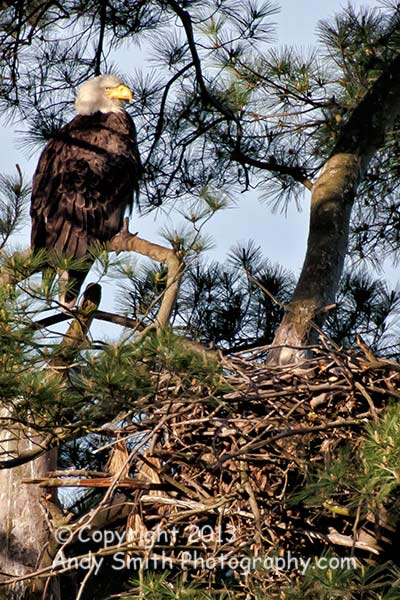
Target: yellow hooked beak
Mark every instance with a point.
(121, 93)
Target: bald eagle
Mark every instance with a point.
(86, 177)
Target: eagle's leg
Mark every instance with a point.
(70, 283)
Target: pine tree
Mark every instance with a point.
(222, 111)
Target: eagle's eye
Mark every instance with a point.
(107, 89)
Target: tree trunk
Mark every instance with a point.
(26, 511)
(25, 536)
(331, 204)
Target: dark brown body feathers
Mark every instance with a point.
(86, 177)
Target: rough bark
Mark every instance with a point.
(24, 520)
(331, 204)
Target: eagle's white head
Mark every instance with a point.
(105, 93)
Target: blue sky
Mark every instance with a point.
(282, 237)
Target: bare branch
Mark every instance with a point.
(126, 241)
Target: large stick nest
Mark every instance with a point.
(215, 473)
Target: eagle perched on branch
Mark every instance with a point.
(86, 177)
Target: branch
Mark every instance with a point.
(126, 241)
(205, 94)
(160, 122)
(122, 242)
(99, 50)
(94, 482)
(365, 131)
(297, 173)
(101, 315)
(123, 321)
(289, 433)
